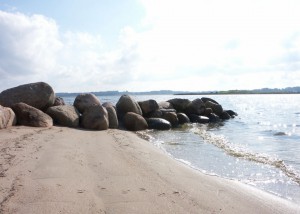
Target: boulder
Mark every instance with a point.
(155, 114)
(112, 117)
(95, 117)
(30, 116)
(205, 99)
(217, 108)
(225, 116)
(83, 101)
(64, 115)
(127, 104)
(39, 95)
(148, 106)
(182, 118)
(134, 122)
(108, 104)
(59, 101)
(7, 117)
(171, 117)
(198, 119)
(231, 113)
(179, 104)
(213, 118)
(196, 107)
(207, 112)
(159, 124)
(165, 105)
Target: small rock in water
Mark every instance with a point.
(280, 134)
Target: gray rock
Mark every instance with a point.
(217, 108)
(83, 101)
(179, 104)
(159, 124)
(196, 107)
(165, 105)
(112, 117)
(30, 116)
(59, 101)
(213, 118)
(231, 113)
(207, 112)
(148, 106)
(39, 95)
(198, 119)
(7, 117)
(183, 118)
(64, 115)
(95, 117)
(127, 104)
(205, 99)
(171, 117)
(134, 122)
(155, 114)
(108, 104)
(225, 116)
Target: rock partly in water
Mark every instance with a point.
(127, 104)
(59, 101)
(183, 118)
(64, 115)
(7, 117)
(148, 106)
(39, 95)
(95, 117)
(231, 113)
(84, 101)
(205, 99)
(213, 118)
(217, 108)
(171, 117)
(112, 117)
(158, 124)
(225, 116)
(198, 119)
(134, 122)
(180, 105)
(195, 107)
(30, 116)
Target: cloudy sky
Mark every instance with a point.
(141, 45)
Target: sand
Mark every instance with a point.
(63, 170)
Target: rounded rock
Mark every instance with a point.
(95, 117)
(84, 101)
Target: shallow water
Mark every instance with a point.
(260, 147)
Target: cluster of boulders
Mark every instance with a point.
(35, 104)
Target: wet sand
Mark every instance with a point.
(63, 170)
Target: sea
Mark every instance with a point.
(259, 147)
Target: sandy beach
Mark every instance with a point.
(63, 170)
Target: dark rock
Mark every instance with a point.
(231, 113)
(217, 108)
(196, 107)
(134, 122)
(171, 117)
(112, 117)
(207, 112)
(95, 117)
(39, 95)
(159, 124)
(127, 104)
(7, 117)
(64, 115)
(179, 104)
(165, 105)
(108, 104)
(182, 118)
(148, 106)
(59, 101)
(155, 114)
(225, 116)
(213, 118)
(30, 116)
(83, 101)
(205, 99)
(198, 119)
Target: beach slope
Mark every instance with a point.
(63, 170)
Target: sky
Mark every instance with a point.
(143, 45)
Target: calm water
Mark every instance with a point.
(260, 147)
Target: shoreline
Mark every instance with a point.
(58, 169)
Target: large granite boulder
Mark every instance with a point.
(148, 106)
(64, 115)
(30, 116)
(39, 95)
(183, 118)
(198, 119)
(179, 104)
(159, 124)
(83, 101)
(59, 101)
(134, 122)
(95, 117)
(197, 106)
(7, 117)
(112, 117)
(127, 104)
(217, 108)
(171, 117)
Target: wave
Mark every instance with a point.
(243, 153)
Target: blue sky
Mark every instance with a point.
(140, 45)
